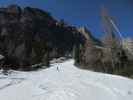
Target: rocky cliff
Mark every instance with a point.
(29, 36)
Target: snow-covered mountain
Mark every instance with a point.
(63, 81)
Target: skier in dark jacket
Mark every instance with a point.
(57, 68)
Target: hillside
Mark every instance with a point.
(30, 36)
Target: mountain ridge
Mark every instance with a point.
(30, 35)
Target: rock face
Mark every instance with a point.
(108, 56)
(128, 46)
(88, 36)
(29, 35)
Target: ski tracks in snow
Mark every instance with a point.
(66, 83)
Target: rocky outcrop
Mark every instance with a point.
(109, 55)
(128, 47)
(88, 36)
(29, 35)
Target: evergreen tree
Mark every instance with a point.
(62, 23)
(76, 54)
(47, 59)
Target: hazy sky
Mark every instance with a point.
(85, 12)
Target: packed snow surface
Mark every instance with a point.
(63, 81)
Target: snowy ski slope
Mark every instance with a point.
(64, 83)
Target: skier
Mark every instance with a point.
(57, 68)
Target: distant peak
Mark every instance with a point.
(87, 34)
(83, 29)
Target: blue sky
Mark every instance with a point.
(85, 12)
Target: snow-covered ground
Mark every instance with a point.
(65, 82)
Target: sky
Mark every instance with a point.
(85, 12)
